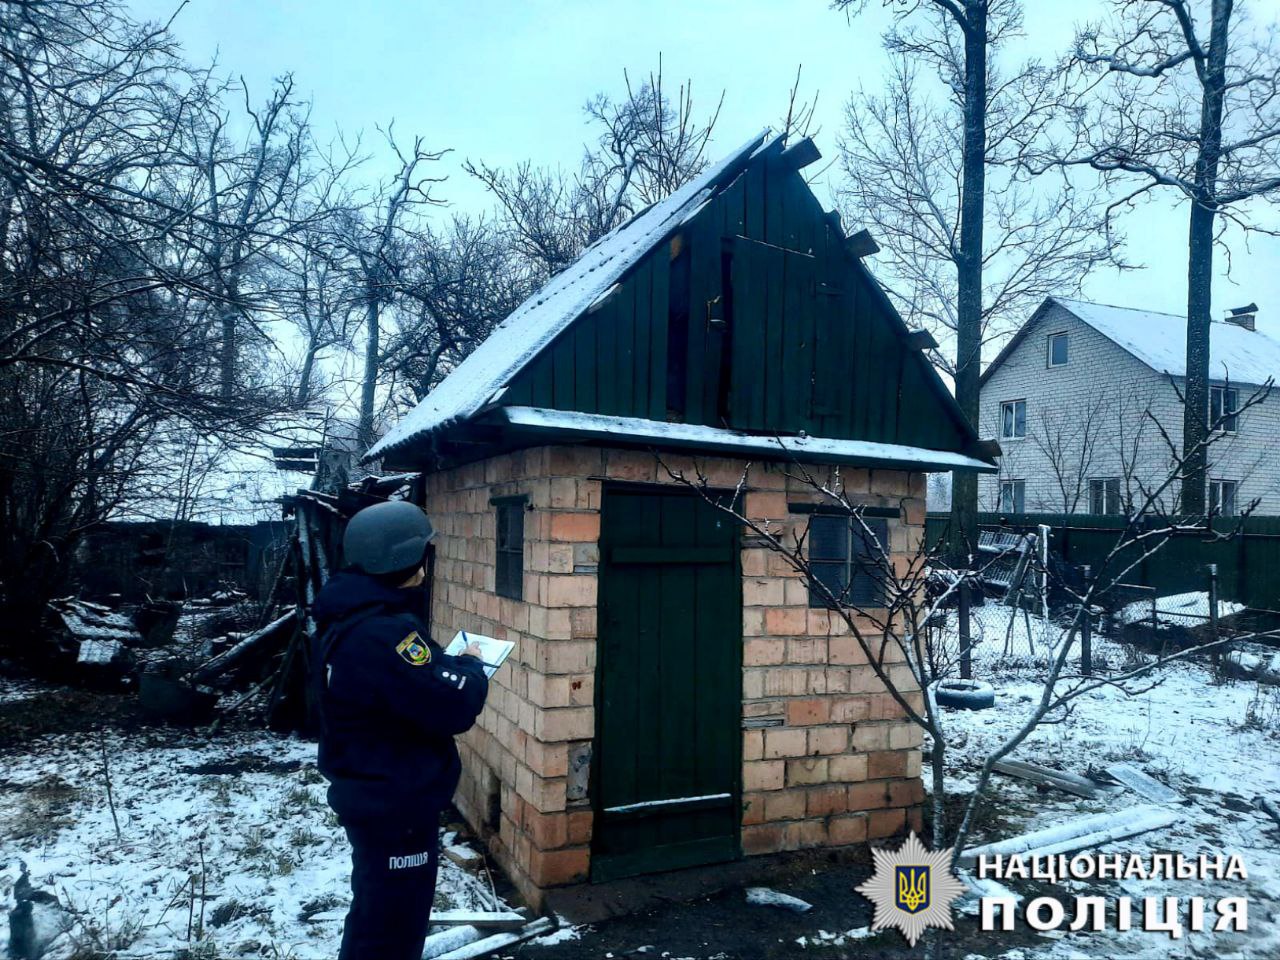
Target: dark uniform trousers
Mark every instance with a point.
(393, 881)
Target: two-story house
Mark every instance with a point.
(1086, 400)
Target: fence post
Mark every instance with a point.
(966, 664)
(1086, 630)
(1216, 658)
(1044, 570)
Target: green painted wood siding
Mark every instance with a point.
(805, 341)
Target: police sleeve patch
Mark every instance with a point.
(413, 650)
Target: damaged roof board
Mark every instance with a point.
(733, 303)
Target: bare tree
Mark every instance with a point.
(111, 287)
(1183, 98)
(933, 164)
(459, 283)
(377, 237)
(646, 146)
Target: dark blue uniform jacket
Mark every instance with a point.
(390, 704)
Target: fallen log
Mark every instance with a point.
(480, 919)
(276, 631)
(499, 941)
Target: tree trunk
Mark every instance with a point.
(308, 369)
(1204, 209)
(964, 490)
(369, 381)
(227, 352)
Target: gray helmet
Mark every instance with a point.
(387, 538)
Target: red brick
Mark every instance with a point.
(847, 767)
(784, 805)
(785, 621)
(808, 771)
(849, 709)
(846, 830)
(905, 793)
(580, 826)
(809, 711)
(885, 823)
(760, 652)
(575, 527)
(801, 834)
(767, 505)
(763, 775)
(825, 801)
(828, 740)
(869, 796)
(551, 868)
(845, 650)
(752, 744)
(548, 831)
(762, 838)
(783, 742)
(886, 764)
(753, 807)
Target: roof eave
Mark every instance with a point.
(553, 426)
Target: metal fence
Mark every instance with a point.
(986, 628)
(1247, 563)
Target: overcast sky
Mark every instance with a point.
(506, 81)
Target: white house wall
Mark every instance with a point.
(1088, 419)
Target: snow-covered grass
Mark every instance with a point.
(225, 846)
(1215, 743)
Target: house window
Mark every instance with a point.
(509, 576)
(1013, 419)
(1222, 497)
(843, 557)
(1013, 496)
(1104, 496)
(1058, 349)
(1222, 409)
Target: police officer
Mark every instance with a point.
(390, 703)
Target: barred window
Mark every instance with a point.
(843, 557)
(509, 565)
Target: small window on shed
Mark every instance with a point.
(1059, 346)
(509, 565)
(843, 557)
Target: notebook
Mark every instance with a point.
(493, 652)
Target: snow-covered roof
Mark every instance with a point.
(535, 323)
(1160, 341)
(696, 436)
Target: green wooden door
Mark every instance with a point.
(667, 763)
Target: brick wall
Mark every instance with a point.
(828, 756)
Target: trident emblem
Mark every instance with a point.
(913, 888)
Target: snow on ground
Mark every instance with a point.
(1214, 743)
(243, 814)
(1178, 610)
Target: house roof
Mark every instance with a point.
(478, 379)
(1160, 341)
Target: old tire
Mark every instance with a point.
(965, 694)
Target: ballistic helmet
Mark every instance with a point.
(387, 538)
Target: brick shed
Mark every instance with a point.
(675, 696)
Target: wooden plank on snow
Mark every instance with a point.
(1144, 786)
(1046, 776)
